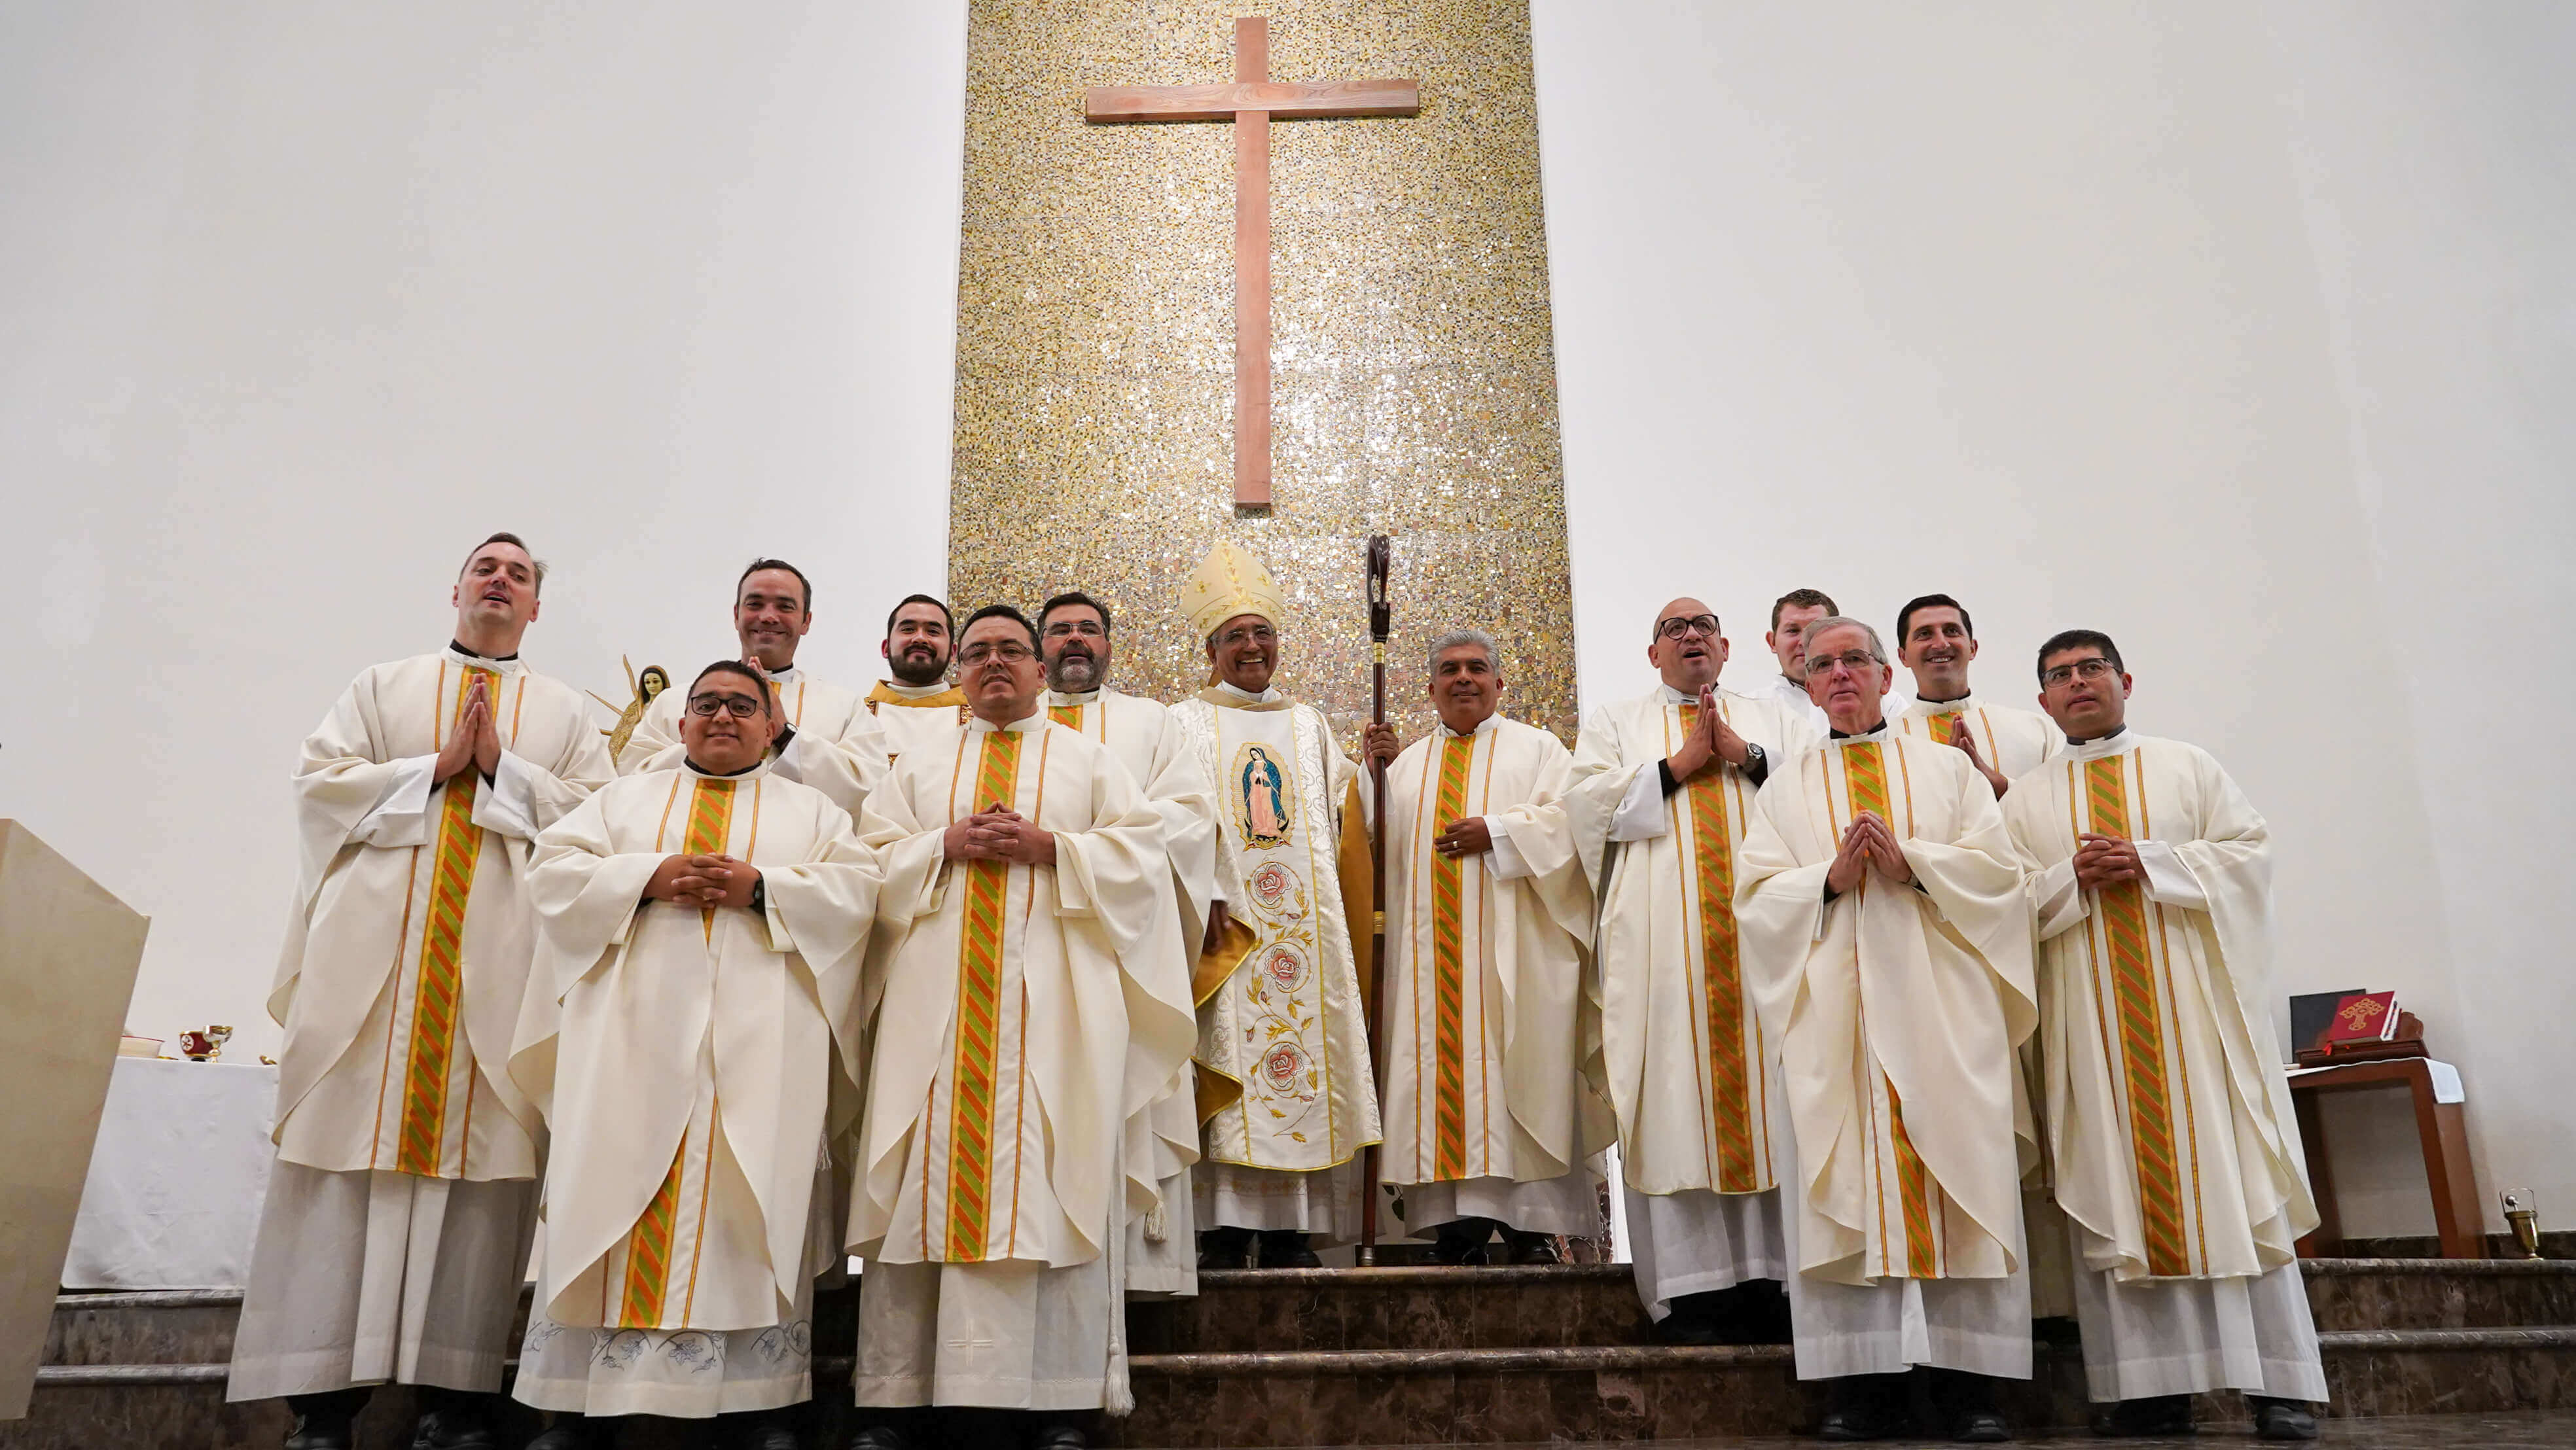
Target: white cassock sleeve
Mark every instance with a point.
(402, 817)
(1641, 815)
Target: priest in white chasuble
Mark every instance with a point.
(1024, 1022)
(827, 736)
(918, 709)
(1886, 935)
(2177, 1157)
(1074, 636)
(691, 1034)
(1286, 1099)
(1491, 1046)
(1664, 786)
(398, 1213)
(1935, 641)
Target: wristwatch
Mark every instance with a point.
(1753, 759)
(760, 894)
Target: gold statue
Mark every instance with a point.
(652, 682)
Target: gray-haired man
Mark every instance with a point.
(1489, 1119)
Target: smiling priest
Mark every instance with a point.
(2177, 1156)
(691, 1031)
(1285, 1095)
(1490, 1117)
(1023, 1023)
(1886, 935)
(826, 736)
(1665, 785)
(398, 1214)
(1073, 632)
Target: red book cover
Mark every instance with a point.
(2363, 1017)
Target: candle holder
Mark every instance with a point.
(2522, 1211)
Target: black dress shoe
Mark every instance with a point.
(325, 1421)
(1864, 1407)
(1521, 1248)
(571, 1430)
(1461, 1243)
(1061, 1435)
(453, 1420)
(877, 1435)
(1286, 1248)
(2158, 1416)
(2282, 1419)
(1225, 1248)
(757, 1430)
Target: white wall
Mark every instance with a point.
(298, 301)
(2240, 332)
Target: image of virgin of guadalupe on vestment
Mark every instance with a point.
(1283, 1048)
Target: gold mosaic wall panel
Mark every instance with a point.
(1413, 386)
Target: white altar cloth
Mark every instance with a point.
(175, 1184)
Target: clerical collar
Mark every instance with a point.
(784, 675)
(1030, 722)
(2114, 733)
(1938, 706)
(1871, 733)
(1071, 697)
(1685, 697)
(701, 771)
(916, 692)
(455, 648)
(1442, 726)
(1240, 693)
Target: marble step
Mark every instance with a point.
(1455, 1396)
(1416, 1309)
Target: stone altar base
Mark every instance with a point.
(1428, 1356)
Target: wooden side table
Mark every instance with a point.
(2443, 1129)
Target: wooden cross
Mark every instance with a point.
(1250, 103)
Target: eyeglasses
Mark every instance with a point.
(1699, 624)
(1854, 660)
(2096, 668)
(1241, 633)
(1009, 651)
(741, 707)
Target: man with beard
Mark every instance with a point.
(1935, 642)
(2176, 1151)
(1791, 615)
(691, 1025)
(1286, 1099)
(918, 708)
(1490, 1121)
(1074, 640)
(1664, 789)
(1026, 1021)
(827, 737)
(1888, 942)
(398, 1213)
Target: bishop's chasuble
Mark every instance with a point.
(836, 746)
(691, 1060)
(2169, 1123)
(1024, 1021)
(1490, 1027)
(1284, 1091)
(916, 717)
(1898, 1008)
(1162, 1249)
(1692, 1069)
(2012, 741)
(406, 1157)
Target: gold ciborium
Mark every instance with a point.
(2522, 1211)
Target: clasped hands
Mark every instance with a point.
(1868, 845)
(472, 740)
(702, 880)
(1710, 740)
(2106, 861)
(1457, 840)
(995, 834)
(1966, 744)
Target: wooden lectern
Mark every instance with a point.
(68, 951)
